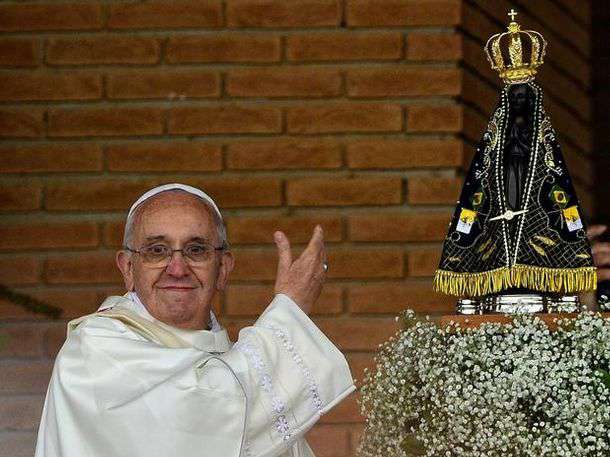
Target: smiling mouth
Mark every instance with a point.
(179, 288)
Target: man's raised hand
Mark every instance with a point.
(302, 279)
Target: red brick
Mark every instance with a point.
(164, 156)
(581, 10)
(344, 191)
(234, 326)
(581, 168)
(423, 262)
(18, 444)
(116, 121)
(358, 363)
(423, 118)
(420, 226)
(251, 300)
(117, 194)
(346, 412)
(474, 124)
(49, 16)
(224, 119)
(403, 82)
(283, 82)
(21, 340)
(281, 154)
(241, 192)
(254, 264)
(345, 118)
(20, 270)
(434, 46)
(82, 268)
(48, 235)
(358, 334)
(102, 50)
(279, 13)
(107, 194)
(261, 264)
(372, 13)
(404, 153)
(54, 338)
(24, 197)
(344, 46)
(113, 233)
(431, 191)
(25, 123)
(50, 86)
(223, 48)
(570, 126)
(72, 303)
(20, 413)
(365, 263)
(575, 95)
(356, 433)
(395, 297)
(50, 157)
(27, 377)
(298, 229)
(19, 52)
(165, 14)
(329, 440)
(166, 84)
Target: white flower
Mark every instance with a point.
(497, 390)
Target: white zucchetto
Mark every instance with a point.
(174, 186)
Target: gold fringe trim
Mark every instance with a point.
(559, 280)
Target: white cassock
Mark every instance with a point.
(127, 385)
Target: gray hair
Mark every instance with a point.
(218, 222)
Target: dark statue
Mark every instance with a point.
(518, 227)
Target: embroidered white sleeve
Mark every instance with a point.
(313, 391)
(265, 382)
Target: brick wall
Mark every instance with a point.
(601, 101)
(356, 114)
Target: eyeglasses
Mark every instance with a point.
(159, 255)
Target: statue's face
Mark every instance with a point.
(518, 99)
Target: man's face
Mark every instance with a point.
(179, 294)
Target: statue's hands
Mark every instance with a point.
(601, 252)
(302, 279)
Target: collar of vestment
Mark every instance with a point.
(215, 340)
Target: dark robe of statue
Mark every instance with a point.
(517, 154)
(518, 144)
(518, 224)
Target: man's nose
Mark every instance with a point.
(177, 265)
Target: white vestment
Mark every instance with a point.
(127, 385)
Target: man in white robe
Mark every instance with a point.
(153, 374)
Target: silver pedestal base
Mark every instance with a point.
(519, 304)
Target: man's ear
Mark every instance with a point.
(123, 261)
(227, 262)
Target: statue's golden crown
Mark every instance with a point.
(523, 65)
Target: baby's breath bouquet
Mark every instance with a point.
(514, 389)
